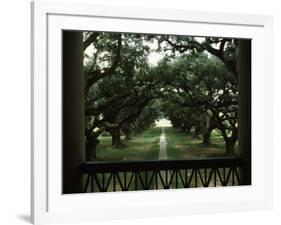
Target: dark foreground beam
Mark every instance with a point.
(244, 113)
(73, 111)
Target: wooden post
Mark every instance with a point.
(244, 112)
(73, 111)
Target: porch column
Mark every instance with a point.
(244, 112)
(73, 111)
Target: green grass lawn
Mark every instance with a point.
(144, 146)
(181, 146)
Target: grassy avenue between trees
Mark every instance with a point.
(145, 146)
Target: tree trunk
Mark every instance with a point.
(229, 146)
(127, 131)
(91, 146)
(127, 135)
(116, 138)
(196, 131)
(229, 141)
(207, 136)
(188, 131)
(208, 130)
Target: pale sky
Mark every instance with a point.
(163, 123)
(153, 57)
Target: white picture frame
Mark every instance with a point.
(49, 205)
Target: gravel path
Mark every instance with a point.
(163, 148)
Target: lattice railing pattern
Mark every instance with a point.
(161, 174)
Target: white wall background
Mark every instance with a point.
(15, 109)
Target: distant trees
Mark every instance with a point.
(205, 90)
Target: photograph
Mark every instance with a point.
(146, 112)
(156, 111)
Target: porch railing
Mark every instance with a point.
(161, 174)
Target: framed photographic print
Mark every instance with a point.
(141, 112)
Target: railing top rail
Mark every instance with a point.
(149, 165)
